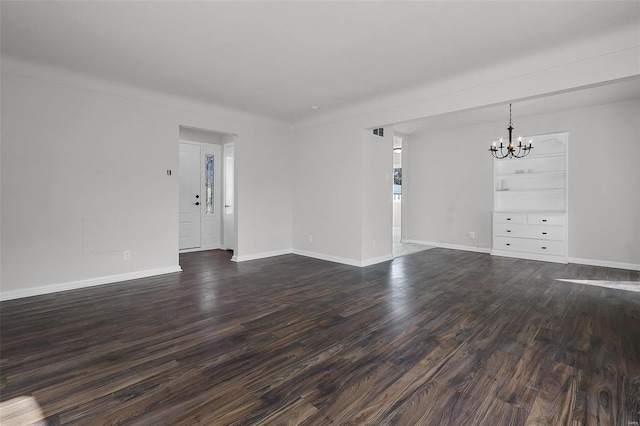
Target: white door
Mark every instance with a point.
(228, 216)
(190, 199)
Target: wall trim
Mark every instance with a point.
(91, 282)
(561, 259)
(449, 246)
(191, 250)
(530, 256)
(376, 260)
(344, 260)
(261, 255)
(605, 263)
(328, 257)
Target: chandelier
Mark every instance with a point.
(510, 150)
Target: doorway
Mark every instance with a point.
(400, 246)
(206, 182)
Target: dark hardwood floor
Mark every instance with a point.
(436, 338)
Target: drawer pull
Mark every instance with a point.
(544, 233)
(508, 230)
(544, 248)
(508, 244)
(508, 218)
(544, 220)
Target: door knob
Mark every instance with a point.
(227, 205)
(197, 196)
(197, 203)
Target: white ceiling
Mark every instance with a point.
(277, 59)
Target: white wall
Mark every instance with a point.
(450, 176)
(343, 196)
(448, 190)
(604, 179)
(327, 183)
(263, 192)
(377, 197)
(81, 157)
(397, 214)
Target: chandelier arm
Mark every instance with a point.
(502, 153)
(494, 152)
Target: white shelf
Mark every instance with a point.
(531, 174)
(543, 156)
(541, 211)
(532, 190)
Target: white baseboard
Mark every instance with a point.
(449, 246)
(330, 258)
(191, 250)
(530, 256)
(262, 255)
(344, 260)
(74, 285)
(605, 263)
(376, 260)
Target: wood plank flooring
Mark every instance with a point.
(441, 337)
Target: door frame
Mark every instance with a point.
(225, 241)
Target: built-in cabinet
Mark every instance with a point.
(530, 201)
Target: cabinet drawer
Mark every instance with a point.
(500, 217)
(510, 230)
(545, 219)
(545, 232)
(529, 245)
(540, 232)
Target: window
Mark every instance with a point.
(397, 184)
(208, 176)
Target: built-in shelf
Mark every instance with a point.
(530, 202)
(542, 156)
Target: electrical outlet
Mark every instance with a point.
(310, 238)
(127, 255)
(472, 235)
